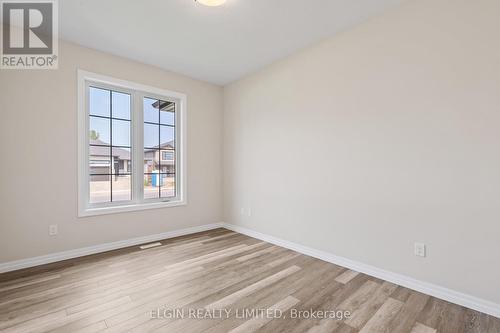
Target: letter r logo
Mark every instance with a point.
(28, 27)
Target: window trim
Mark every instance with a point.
(137, 92)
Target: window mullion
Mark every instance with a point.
(159, 150)
(111, 165)
(138, 139)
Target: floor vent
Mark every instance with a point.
(148, 246)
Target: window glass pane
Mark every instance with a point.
(151, 186)
(151, 136)
(110, 150)
(121, 105)
(167, 186)
(100, 189)
(151, 162)
(151, 113)
(167, 137)
(99, 161)
(167, 115)
(121, 133)
(122, 190)
(122, 162)
(99, 102)
(99, 131)
(167, 161)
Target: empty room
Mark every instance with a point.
(250, 166)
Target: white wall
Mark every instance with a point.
(379, 137)
(38, 142)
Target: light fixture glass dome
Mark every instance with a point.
(211, 3)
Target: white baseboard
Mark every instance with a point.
(446, 294)
(59, 256)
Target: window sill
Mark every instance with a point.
(129, 208)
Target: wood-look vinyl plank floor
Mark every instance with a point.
(120, 291)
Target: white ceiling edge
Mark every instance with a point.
(217, 45)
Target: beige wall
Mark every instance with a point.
(379, 137)
(38, 141)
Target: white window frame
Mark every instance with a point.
(137, 92)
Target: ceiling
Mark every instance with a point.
(214, 44)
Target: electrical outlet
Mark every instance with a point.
(245, 211)
(420, 250)
(52, 229)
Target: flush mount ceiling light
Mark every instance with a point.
(211, 3)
